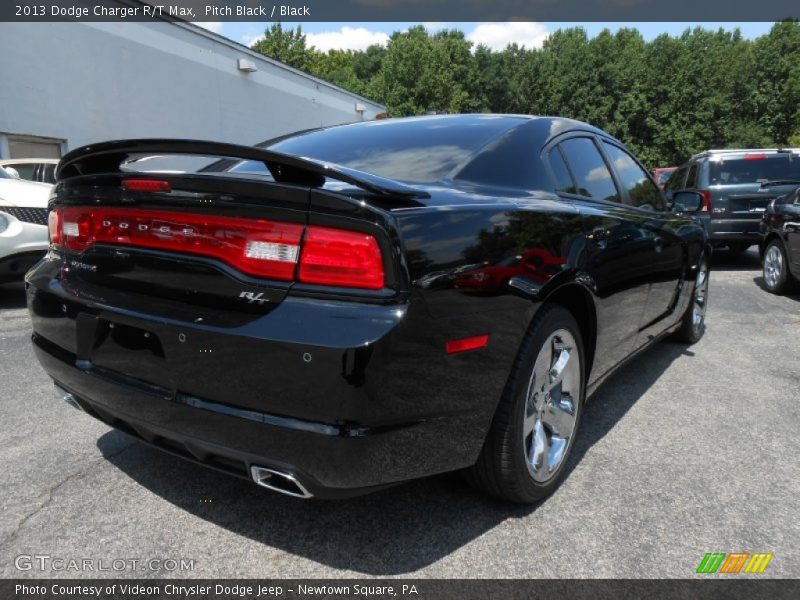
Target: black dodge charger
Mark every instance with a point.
(343, 309)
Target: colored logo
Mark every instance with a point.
(734, 563)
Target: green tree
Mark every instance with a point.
(338, 67)
(777, 86)
(287, 46)
(422, 73)
(667, 98)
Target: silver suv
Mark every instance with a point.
(737, 186)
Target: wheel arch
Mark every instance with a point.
(762, 246)
(579, 302)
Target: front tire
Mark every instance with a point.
(693, 322)
(775, 265)
(524, 457)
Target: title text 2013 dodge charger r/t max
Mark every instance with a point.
(343, 309)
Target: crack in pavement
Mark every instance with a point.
(52, 490)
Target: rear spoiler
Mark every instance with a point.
(106, 157)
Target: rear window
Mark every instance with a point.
(754, 168)
(425, 150)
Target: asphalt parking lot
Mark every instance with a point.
(683, 452)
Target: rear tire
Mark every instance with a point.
(693, 322)
(775, 265)
(528, 445)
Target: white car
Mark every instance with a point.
(23, 225)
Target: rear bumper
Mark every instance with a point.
(331, 461)
(354, 418)
(734, 230)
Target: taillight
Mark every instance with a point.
(256, 247)
(54, 227)
(706, 200)
(341, 258)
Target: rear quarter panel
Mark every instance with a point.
(445, 248)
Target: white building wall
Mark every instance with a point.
(90, 82)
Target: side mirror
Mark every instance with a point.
(687, 202)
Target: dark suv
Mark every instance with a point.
(737, 186)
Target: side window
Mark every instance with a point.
(642, 192)
(564, 181)
(592, 177)
(675, 182)
(49, 173)
(25, 170)
(691, 178)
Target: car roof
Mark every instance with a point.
(484, 137)
(465, 145)
(734, 151)
(555, 124)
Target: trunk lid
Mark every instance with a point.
(196, 245)
(744, 202)
(134, 270)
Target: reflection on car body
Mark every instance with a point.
(538, 264)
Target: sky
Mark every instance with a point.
(357, 36)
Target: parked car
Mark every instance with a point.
(662, 174)
(23, 225)
(780, 244)
(737, 186)
(42, 170)
(296, 320)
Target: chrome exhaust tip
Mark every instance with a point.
(67, 397)
(284, 483)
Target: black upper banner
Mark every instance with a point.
(401, 10)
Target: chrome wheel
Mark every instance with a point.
(552, 405)
(773, 266)
(700, 296)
